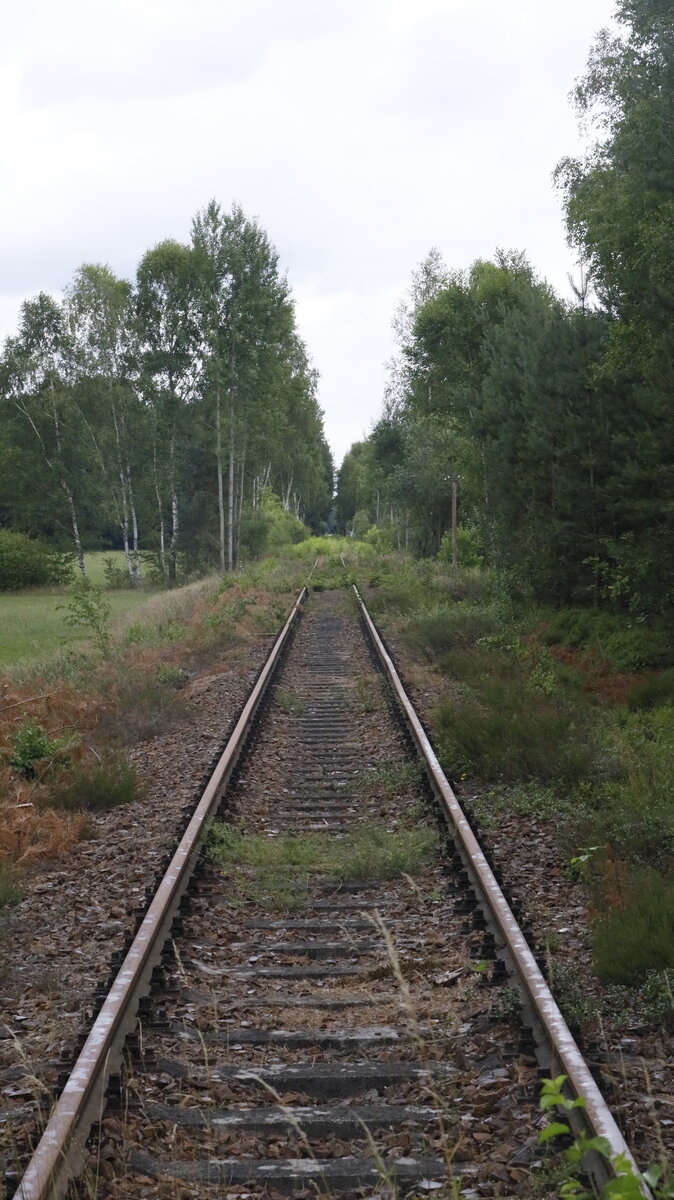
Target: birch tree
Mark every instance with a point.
(244, 315)
(99, 315)
(38, 370)
(166, 322)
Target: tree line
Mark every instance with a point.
(161, 415)
(556, 418)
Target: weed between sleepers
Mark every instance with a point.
(289, 701)
(274, 871)
(390, 778)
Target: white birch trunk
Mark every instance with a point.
(218, 451)
(134, 527)
(160, 508)
(66, 486)
(230, 492)
(239, 508)
(175, 517)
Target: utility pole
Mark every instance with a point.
(455, 552)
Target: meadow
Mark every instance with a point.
(33, 622)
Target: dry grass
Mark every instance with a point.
(92, 706)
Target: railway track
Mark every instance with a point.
(322, 1000)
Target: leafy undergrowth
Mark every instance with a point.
(567, 717)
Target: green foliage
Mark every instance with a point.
(27, 563)
(628, 645)
(89, 610)
(360, 523)
(34, 752)
(652, 691)
(94, 786)
(289, 701)
(312, 547)
(637, 937)
(175, 677)
(627, 1184)
(619, 211)
(634, 811)
(270, 527)
(440, 631)
(115, 576)
(119, 399)
(10, 892)
(379, 539)
(410, 587)
(154, 633)
(506, 733)
(468, 545)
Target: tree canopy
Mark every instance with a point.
(159, 412)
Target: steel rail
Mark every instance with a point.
(596, 1114)
(59, 1154)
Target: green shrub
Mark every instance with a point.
(653, 691)
(638, 937)
(505, 733)
(94, 786)
(379, 539)
(626, 643)
(33, 751)
(632, 649)
(313, 547)
(116, 577)
(413, 586)
(26, 563)
(447, 627)
(269, 527)
(634, 810)
(88, 609)
(175, 677)
(469, 552)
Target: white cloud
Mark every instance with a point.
(361, 132)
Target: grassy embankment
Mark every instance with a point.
(565, 717)
(67, 716)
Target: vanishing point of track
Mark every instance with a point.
(354, 1043)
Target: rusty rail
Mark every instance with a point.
(565, 1054)
(59, 1154)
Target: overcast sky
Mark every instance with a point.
(359, 132)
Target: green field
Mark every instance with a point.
(32, 625)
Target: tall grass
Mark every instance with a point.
(505, 733)
(637, 936)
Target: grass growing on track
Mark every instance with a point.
(271, 871)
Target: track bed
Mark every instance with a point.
(329, 1015)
